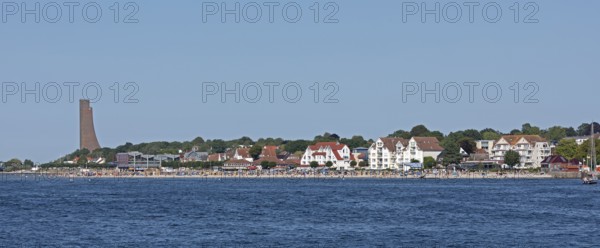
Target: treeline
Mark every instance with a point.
(452, 141)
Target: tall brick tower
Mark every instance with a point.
(87, 134)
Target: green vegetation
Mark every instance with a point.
(462, 138)
(512, 158)
(329, 164)
(314, 164)
(429, 162)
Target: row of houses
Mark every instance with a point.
(384, 153)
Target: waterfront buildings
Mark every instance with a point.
(395, 153)
(140, 161)
(532, 148)
(556, 163)
(323, 152)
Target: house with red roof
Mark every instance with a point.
(269, 151)
(323, 152)
(242, 154)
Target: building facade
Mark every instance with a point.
(385, 153)
(323, 152)
(533, 149)
(395, 153)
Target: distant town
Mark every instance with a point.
(553, 150)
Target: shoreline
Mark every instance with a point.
(465, 176)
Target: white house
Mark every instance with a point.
(383, 153)
(323, 152)
(532, 148)
(419, 148)
(394, 153)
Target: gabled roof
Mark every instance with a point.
(268, 159)
(428, 144)
(269, 151)
(514, 139)
(390, 143)
(217, 157)
(243, 152)
(335, 147)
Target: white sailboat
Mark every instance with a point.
(592, 177)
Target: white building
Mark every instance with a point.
(394, 153)
(323, 152)
(532, 148)
(383, 153)
(421, 147)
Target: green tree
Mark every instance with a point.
(401, 134)
(419, 130)
(556, 133)
(363, 164)
(28, 162)
(451, 154)
(255, 151)
(583, 151)
(314, 164)
(467, 144)
(452, 139)
(473, 134)
(326, 137)
(528, 129)
(13, 162)
(82, 160)
(267, 165)
(570, 132)
(198, 140)
(491, 135)
(329, 164)
(567, 148)
(429, 162)
(512, 158)
(293, 146)
(437, 134)
(353, 163)
(354, 142)
(218, 146)
(515, 132)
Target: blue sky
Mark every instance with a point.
(369, 53)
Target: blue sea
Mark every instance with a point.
(81, 212)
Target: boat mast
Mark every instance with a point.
(592, 151)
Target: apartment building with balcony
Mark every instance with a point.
(533, 149)
(394, 153)
(383, 153)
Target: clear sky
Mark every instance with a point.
(369, 53)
